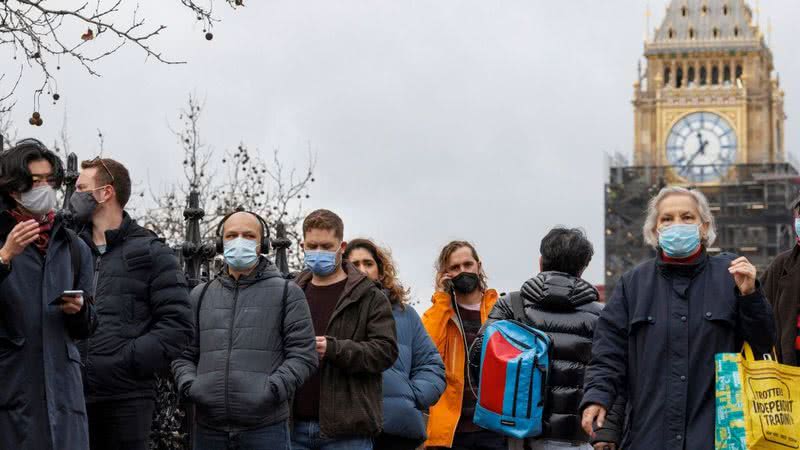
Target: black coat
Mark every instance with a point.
(566, 308)
(41, 399)
(142, 302)
(254, 346)
(781, 284)
(656, 340)
(362, 343)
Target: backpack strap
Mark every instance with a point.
(200, 303)
(518, 307)
(75, 257)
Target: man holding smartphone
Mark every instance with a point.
(45, 286)
(143, 307)
(461, 304)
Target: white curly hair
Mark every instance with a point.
(649, 230)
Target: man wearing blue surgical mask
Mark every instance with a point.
(253, 346)
(781, 284)
(340, 407)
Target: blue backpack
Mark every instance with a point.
(515, 364)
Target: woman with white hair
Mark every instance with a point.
(667, 318)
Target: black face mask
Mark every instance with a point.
(82, 206)
(466, 282)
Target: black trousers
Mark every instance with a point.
(120, 425)
(479, 440)
(392, 442)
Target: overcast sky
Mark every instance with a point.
(431, 120)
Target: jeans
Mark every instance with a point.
(273, 437)
(393, 442)
(306, 436)
(120, 425)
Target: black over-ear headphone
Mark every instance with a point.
(264, 231)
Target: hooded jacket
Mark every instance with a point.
(566, 308)
(442, 324)
(361, 344)
(253, 346)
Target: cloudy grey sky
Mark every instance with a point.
(431, 119)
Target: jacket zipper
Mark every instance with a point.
(94, 293)
(230, 349)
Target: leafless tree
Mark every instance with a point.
(267, 187)
(43, 34)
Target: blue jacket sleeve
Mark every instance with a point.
(427, 367)
(606, 374)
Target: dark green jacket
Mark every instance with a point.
(362, 343)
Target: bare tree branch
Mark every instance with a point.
(40, 34)
(268, 188)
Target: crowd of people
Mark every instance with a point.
(335, 358)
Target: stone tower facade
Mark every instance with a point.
(708, 56)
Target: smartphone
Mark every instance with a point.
(60, 301)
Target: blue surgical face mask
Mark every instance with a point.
(797, 226)
(240, 253)
(321, 262)
(679, 241)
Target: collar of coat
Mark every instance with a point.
(356, 286)
(686, 270)
(128, 228)
(558, 291)
(264, 269)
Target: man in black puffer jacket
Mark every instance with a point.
(560, 303)
(142, 306)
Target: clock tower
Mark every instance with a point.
(708, 114)
(708, 98)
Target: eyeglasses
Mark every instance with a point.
(100, 160)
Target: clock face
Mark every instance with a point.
(702, 147)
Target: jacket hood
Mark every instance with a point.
(558, 291)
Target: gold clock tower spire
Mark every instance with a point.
(708, 100)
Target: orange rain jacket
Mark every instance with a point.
(441, 322)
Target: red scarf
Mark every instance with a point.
(45, 226)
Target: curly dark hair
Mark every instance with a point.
(387, 271)
(14, 173)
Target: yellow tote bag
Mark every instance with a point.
(762, 397)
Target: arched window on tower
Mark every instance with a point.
(715, 75)
(736, 31)
(679, 77)
(703, 76)
(726, 75)
(691, 33)
(684, 11)
(690, 77)
(667, 74)
(739, 72)
(704, 10)
(725, 10)
(716, 32)
(671, 33)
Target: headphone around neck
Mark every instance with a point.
(265, 245)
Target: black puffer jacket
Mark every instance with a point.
(566, 308)
(142, 303)
(254, 346)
